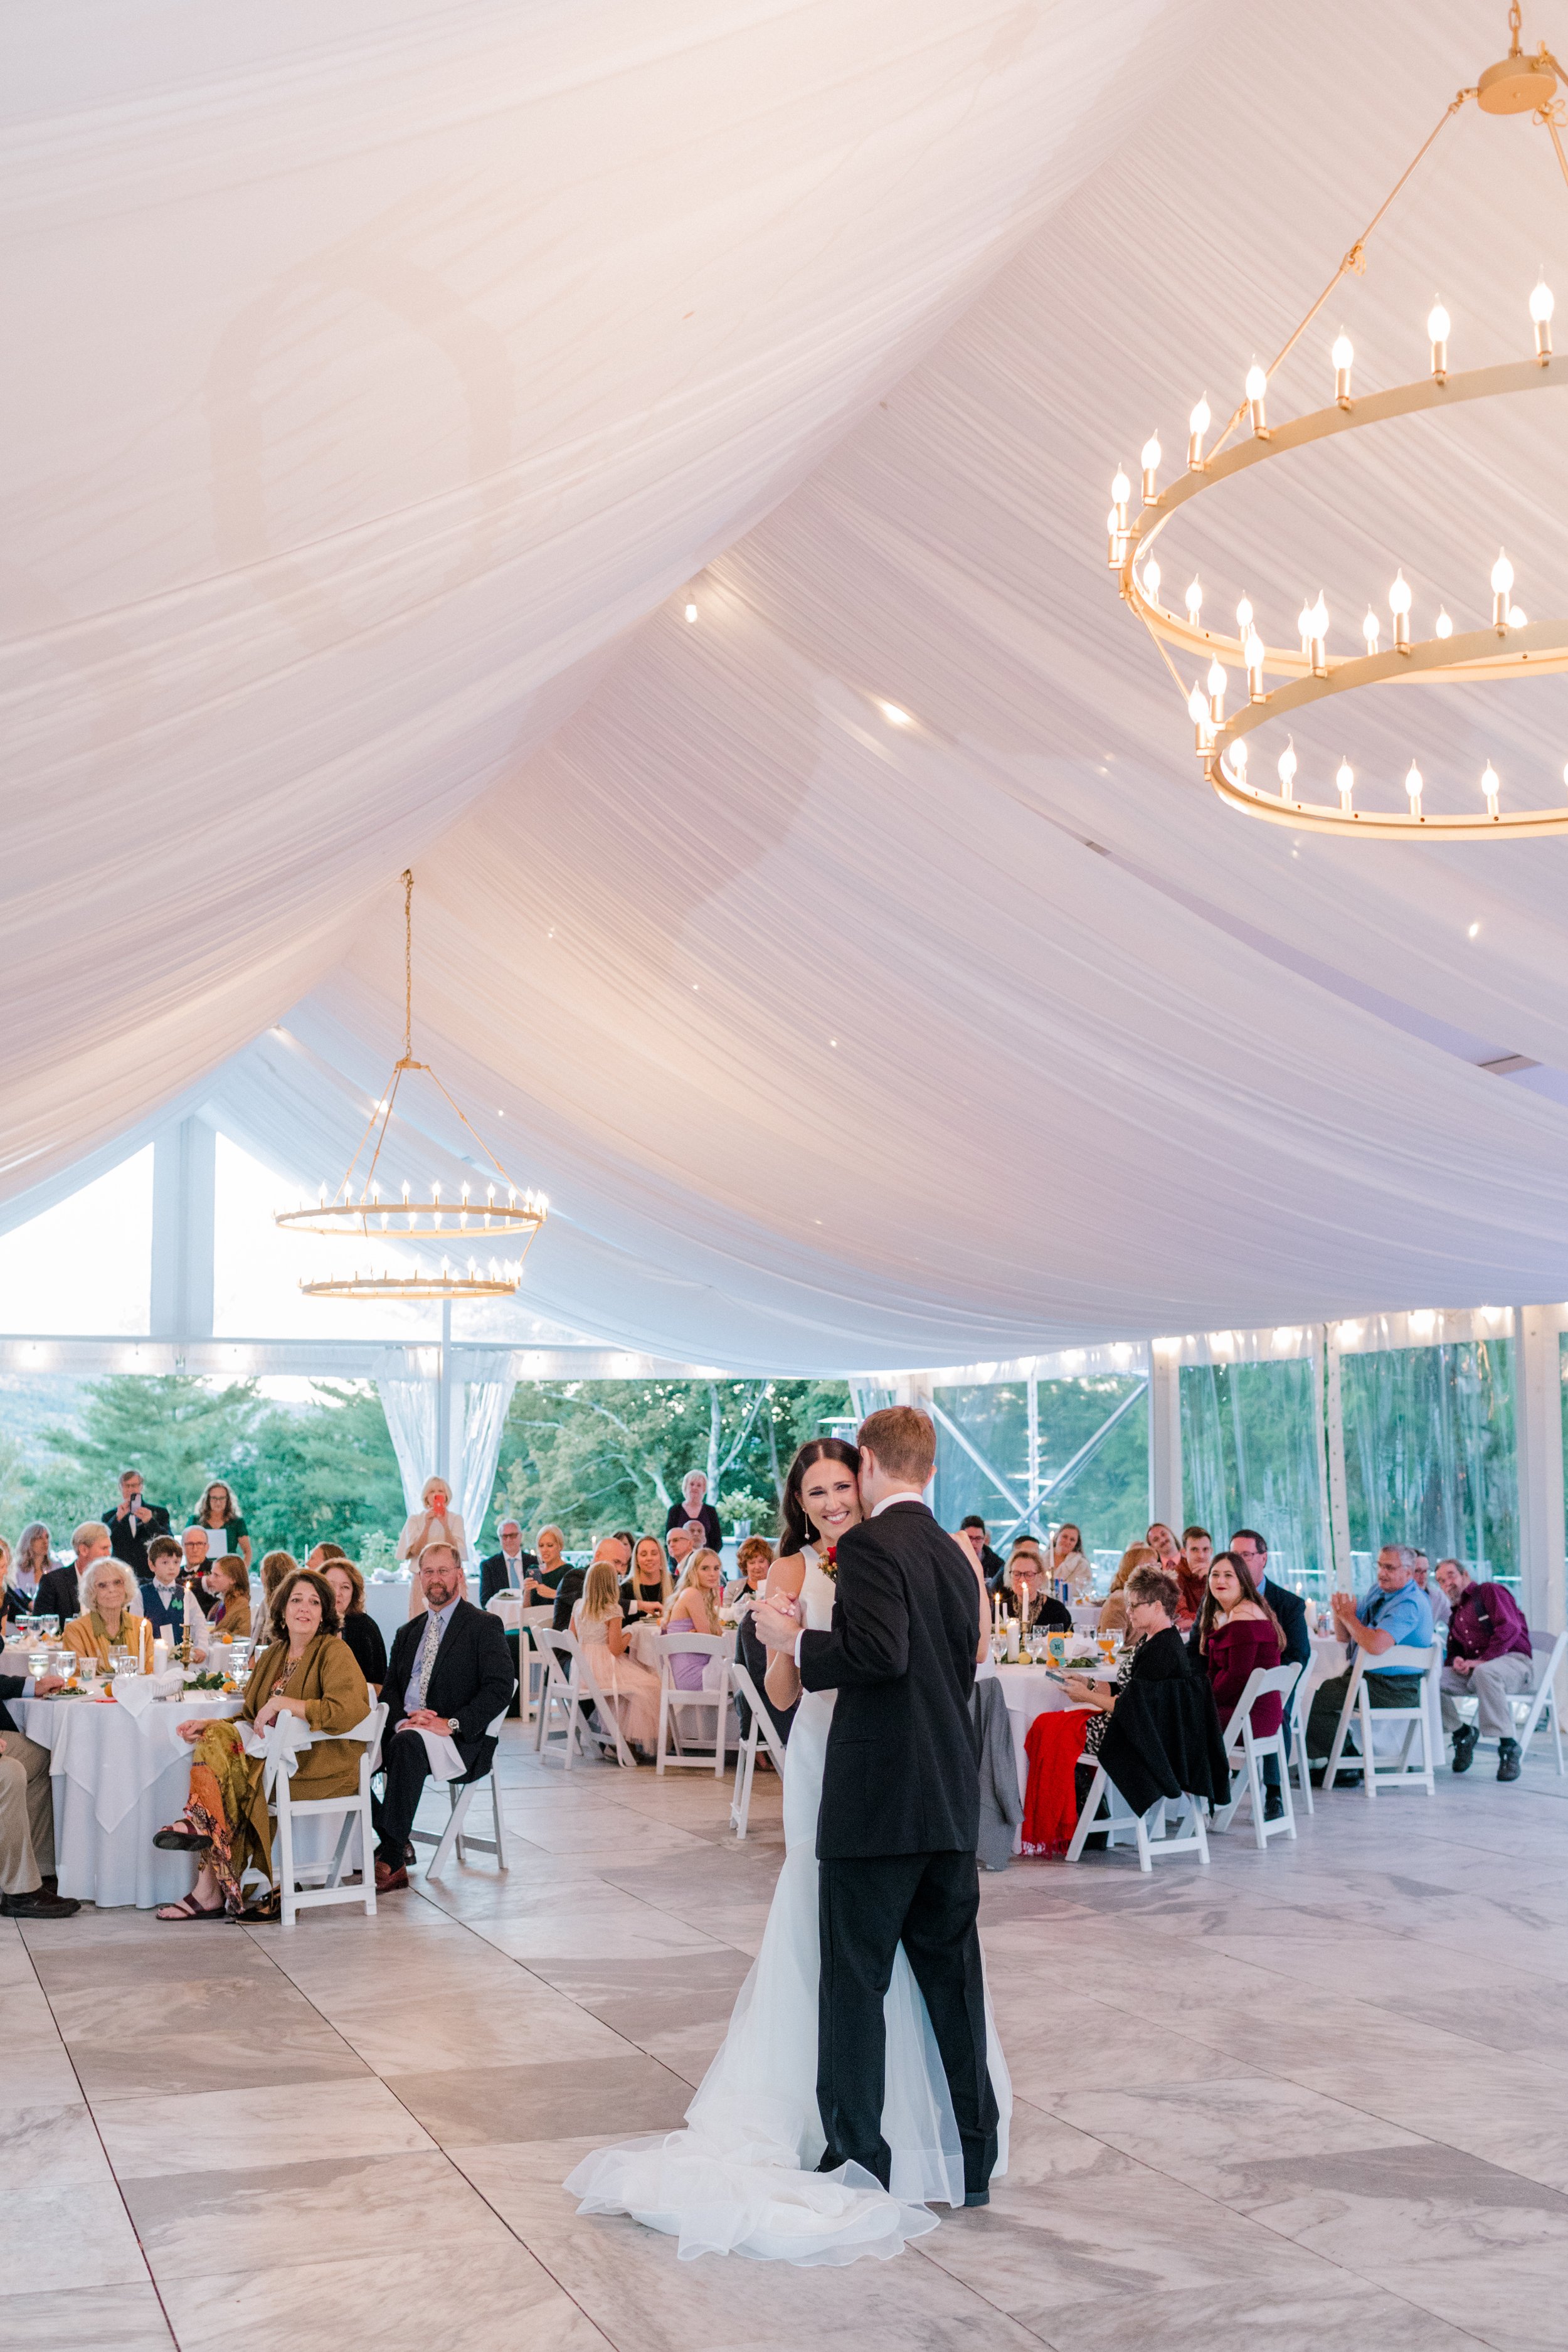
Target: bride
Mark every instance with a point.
(742, 2178)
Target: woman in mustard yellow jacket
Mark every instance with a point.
(307, 1672)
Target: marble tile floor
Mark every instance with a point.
(1316, 2097)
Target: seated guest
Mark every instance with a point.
(504, 1571)
(59, 1592)
(753, 1560)
(134, 1522)
(228, 1618)
(307, 1672)
(1067, 1564)
(277, 1567)
(28, 1810)
(696, 1609)
(1192, 1570)
(647, 1591)
(107, 1622)
(451, 1672)
(971, 1531)
(11, 1604)
(1435, 1594)
(1395, 1614)
(437, 1522)
(569, 1584)
(1023, 1592)
(1235, 1633)
(1113, 1616)
(163, 1594)
(694, 1510)
(632, 1690)
(320, 1554)
(1290, 1608)
(27, 1571)
(540, 1582)
(1488, 1654)
(681, 1543)
(355, 1624)
(1177, 1730)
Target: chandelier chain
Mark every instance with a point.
(408, 962)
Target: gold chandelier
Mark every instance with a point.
(361, 1210)
(1509, 646)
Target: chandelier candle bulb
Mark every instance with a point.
(1413, 786)
(1343, 354)
(1203, 726)
(1503, 582)
(1238, 759)
(1516, 617)
(1491, 785)
(1217, 682)
(1540, 309)
(1150, 461)
(1319, 637)
(1151, 578)
(1121, 491)
(1370, 628)
(1287, 771)
(1256, 394)
(1399, 605)
(1198, 424)
(1445, 627)
(1114, 536)
(1255, 653)
(1304, 624)
(1346, 779)
(1194, 602)
(1438, 325)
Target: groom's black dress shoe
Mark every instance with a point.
(977, 2197)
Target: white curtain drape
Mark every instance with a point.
(485, 1404)
(410, 1410)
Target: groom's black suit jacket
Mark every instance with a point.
(901, 1774)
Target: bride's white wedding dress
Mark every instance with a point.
(740, 2178)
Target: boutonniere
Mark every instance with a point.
(830, 1562)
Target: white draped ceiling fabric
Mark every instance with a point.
(383, 380)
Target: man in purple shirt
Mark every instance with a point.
(1488, 1655)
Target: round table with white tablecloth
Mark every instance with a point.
(1030, 1691)
(116, 1780)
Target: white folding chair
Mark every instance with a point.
(672, 1697)
(460, 1795)
(1149, 1832)
(760, 1727)
(1424, 1666)
(571, 1686)
(287, 1809)
(1535, 1707)
(533, 1666)
(1245, 1749)
(1296, 1731)
(1337, 1763)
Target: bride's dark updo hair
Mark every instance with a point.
(796, 1530)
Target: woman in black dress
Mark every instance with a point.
(357, 1627)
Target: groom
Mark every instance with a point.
(900, 1802)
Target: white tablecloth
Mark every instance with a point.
(116, 1782)
(1030, 1691)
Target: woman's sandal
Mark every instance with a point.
(179, 1837)
(189, 1908)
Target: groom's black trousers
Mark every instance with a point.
(929, 1904)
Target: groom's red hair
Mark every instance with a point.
(903, 1441)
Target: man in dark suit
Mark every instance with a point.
(505, 1570)
(450, 1672)
(973, 1531)
(900, 1802)
(57, 1594)
(1292, 1610)
(133, 1523)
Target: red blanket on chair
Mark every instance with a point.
(1053, 1746)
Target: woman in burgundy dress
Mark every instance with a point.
(1235, 1633)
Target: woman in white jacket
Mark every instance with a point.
(436, 1523)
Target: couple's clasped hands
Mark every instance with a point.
(777, 1620)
